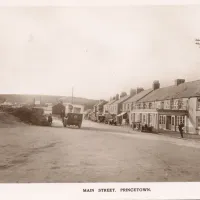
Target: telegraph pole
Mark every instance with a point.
(72, 95)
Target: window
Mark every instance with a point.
(198, 103)
(180, 119)
(140, 117)
(144, 119)
(162, 105)
(127, 106)
(133, 117)
(172, 104)
(162, 119)
(173, 120)
(180, 104)
(132, 106)
(150, 118)
(198, 121)
(176, 105)
(150, 105)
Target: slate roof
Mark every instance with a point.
(122, 99)
(138, 96)
(184, 90)
(110, 102)
(102, 103)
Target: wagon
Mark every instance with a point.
(73, 119)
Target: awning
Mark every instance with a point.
(121, 114)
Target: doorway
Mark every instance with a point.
(168, 123)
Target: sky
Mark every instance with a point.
(100, 51)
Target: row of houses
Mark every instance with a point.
(163, 108)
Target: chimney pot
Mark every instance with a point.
(156, 85)
(179, 81)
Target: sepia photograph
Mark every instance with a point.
(100, 94)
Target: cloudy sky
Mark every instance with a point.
(100, 51)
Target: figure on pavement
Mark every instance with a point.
(181, 129)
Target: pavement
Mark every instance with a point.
(94, 153)
(173, 134)
(186, 136)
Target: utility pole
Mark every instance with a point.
(72, 95)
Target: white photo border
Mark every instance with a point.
(65, 191)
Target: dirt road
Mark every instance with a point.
(94, 153)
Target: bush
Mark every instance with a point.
(28, 115)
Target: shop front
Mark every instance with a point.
(170, 119)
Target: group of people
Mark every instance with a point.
(62, 115)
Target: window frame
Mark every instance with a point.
(198, 122)
(173, 121)
(198, 103)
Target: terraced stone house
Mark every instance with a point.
(165, 108)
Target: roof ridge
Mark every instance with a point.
(179, 84)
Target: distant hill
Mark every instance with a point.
(28, 99)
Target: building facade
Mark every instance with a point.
(165, 108)
(108, 107)
(130, 105)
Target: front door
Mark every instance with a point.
(168, 123)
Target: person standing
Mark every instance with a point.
(181, 129)
(62, 115)
(50, 119)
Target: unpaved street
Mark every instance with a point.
(94, 153)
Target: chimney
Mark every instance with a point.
(139, 89)
(156, 85)
(179, 81)
(117, 97)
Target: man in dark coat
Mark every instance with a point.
(50, 119)
(62, 115)
(181, 129)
